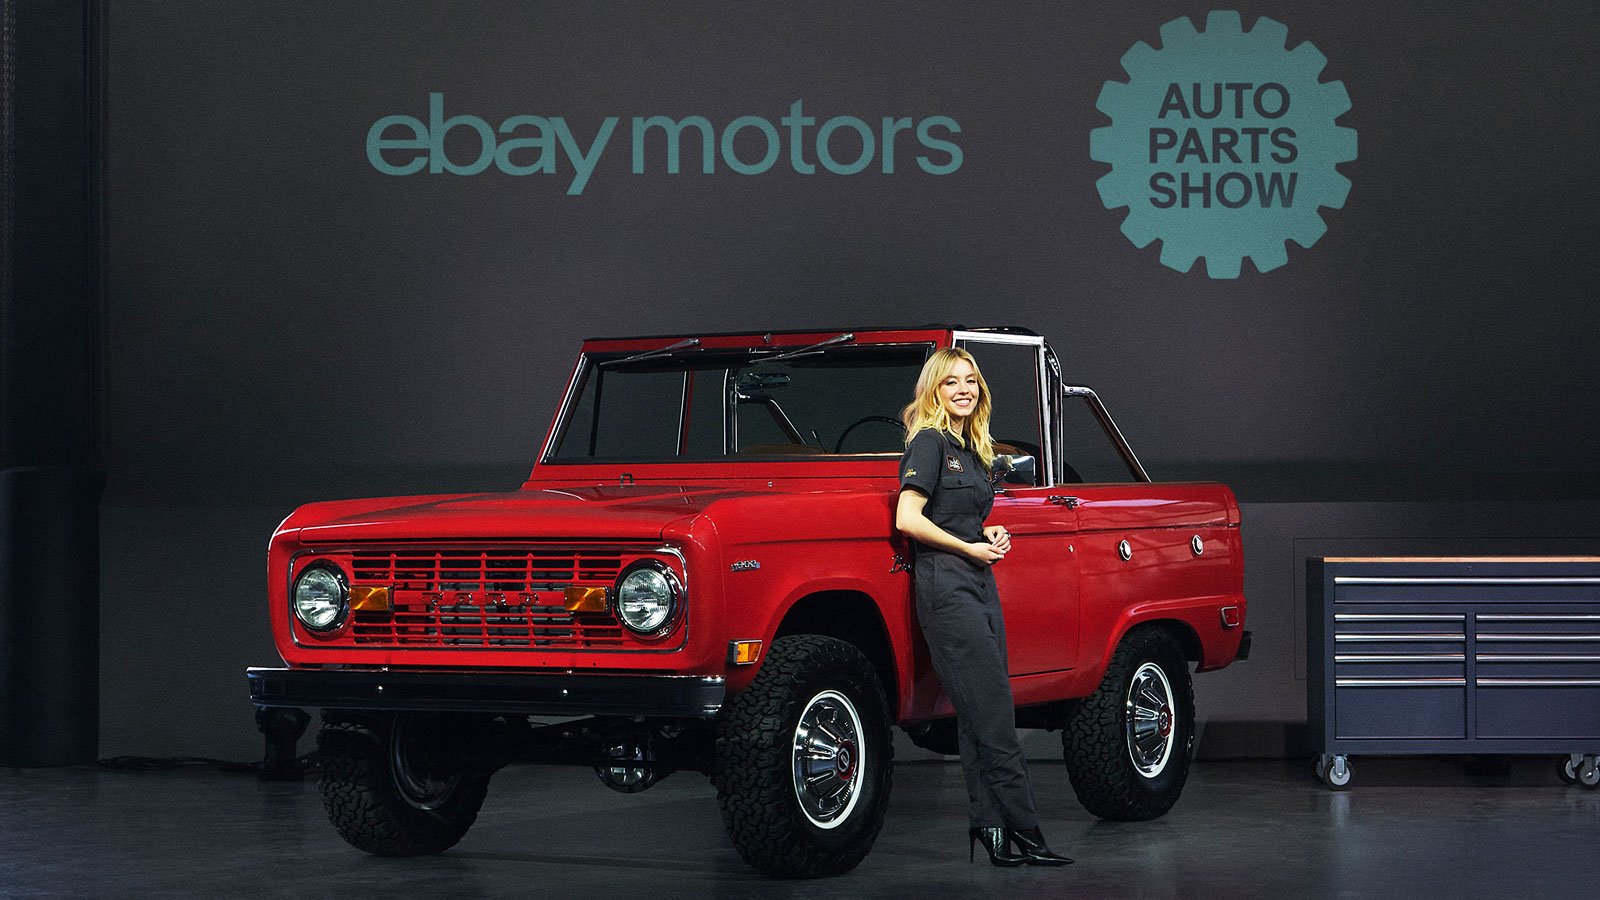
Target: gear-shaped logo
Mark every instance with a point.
(1223, 144)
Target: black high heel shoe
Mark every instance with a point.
(995, 844)
(1030, 842)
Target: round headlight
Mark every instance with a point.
(647, 597)
(321, 597)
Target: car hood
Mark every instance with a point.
(625, 512)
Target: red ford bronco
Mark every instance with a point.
(702, 573)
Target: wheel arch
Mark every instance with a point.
(1181, 631)
(851, 616)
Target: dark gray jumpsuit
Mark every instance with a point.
(960, 614)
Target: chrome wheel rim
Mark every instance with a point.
(415, 763)
(1152, 723)
(828, 759)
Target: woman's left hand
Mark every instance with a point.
(998, 537)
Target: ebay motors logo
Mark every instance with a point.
(749, 145)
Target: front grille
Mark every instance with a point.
(511, 598)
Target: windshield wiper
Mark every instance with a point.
(813, 349)
(652, 354)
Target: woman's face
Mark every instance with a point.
(958, 392)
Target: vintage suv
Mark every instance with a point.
(702, 572)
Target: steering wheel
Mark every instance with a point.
(858, 423)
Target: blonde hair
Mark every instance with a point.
(925, 411)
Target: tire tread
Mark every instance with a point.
(752, 753)
(1094, 743)
(365, 808)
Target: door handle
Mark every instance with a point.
(1063, 500)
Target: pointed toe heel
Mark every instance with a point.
(1030, 844)
(995, 844)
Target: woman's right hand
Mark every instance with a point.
(984, 554)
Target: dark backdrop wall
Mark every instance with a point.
(284, 322)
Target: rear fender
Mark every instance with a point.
(1196, 624)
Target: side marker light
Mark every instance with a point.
(743, 653)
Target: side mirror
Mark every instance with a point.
(1019, 470)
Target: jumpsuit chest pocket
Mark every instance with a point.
(965, 494)
(957, 483)
(957, 480)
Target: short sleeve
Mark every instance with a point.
(922, 462)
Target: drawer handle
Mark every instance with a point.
(1535, 657)
(1403, 657)
(1420, 638)
(1401, 682)
(1394, 617)
(1539, 682)
(1539, 637)
(1495, 617)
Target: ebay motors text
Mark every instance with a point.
(748, 145)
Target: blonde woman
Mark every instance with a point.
(945, 494)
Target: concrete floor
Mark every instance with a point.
(1405, 829)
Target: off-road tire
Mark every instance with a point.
(755, 759)
(1096, 742)
(363, 799)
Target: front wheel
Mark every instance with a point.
(804, 760)
(1127, 745)
(398, 784)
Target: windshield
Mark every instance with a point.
(712, 404)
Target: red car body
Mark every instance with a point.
(789, 539)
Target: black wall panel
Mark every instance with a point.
(284, 322)
(282, 314)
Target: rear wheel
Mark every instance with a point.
(1127, 745)
(399, 784)
(804, 760)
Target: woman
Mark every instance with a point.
(945, 494)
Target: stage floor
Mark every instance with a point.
(1407, 828)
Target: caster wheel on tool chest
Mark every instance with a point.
(1567, 768)
(1589, 772)
(1334, 771)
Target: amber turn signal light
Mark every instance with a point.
(743, 653)
(369, 599)
(586, 599)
